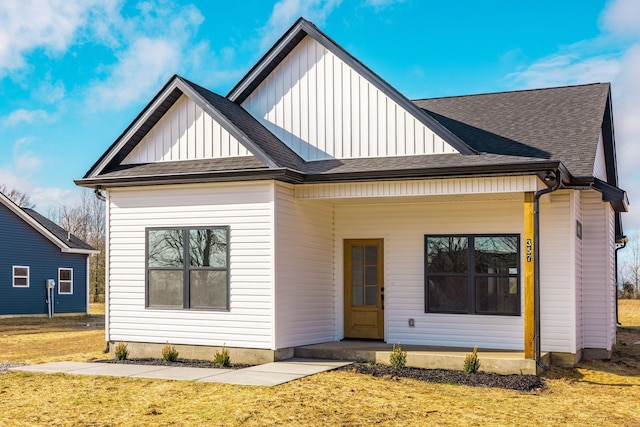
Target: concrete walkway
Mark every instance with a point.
(269, 374)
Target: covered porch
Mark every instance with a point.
(420, 356)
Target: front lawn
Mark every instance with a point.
(596, 393)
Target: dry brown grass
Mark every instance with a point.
(595, 394)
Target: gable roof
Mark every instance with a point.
(518, 132)
(66, 241)
(561, 123)
(302, 28)
(233, 118)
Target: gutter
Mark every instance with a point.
(536, 257)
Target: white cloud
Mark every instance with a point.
(25, 116)
(154, 45)
(51, 25)
(50, 92)
(622, 17)
(381, 4)
(567, 69)
(285, 13)
(139, 71)
(603, 59)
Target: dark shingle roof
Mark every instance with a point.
(70, 240)
(267, 142)
(560, 123)
(185, 166)
(439, 162)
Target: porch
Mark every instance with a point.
(419, 356)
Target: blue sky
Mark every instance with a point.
(75, 73)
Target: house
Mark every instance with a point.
(315, 203)
(34, 250)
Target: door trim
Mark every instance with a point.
(363, 332)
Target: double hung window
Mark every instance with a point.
(65, 281)
(20, 276)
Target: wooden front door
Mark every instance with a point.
(364, 289)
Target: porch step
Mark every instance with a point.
(496, 361)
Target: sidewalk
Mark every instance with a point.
(269, 374)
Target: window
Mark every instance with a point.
(65, 281)
(188, 268)
(20, 276)
(472, 274)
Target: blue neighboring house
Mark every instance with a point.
(34, 249)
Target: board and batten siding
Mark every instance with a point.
(321, 108)
(304, 286)
(186, 132)
(598, 302)
(599, 164)
(557, 272)
(403, 227)
(247, 209)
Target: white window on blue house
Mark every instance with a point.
(188, 268)
(65, 281)
(20, 276)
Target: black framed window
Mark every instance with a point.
(188, 268)
(472, 274)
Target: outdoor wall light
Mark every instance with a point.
(550, 176)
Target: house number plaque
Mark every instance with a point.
(529, 250)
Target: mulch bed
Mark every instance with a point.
(444, 376)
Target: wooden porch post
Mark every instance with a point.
(528, 281)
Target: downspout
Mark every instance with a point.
(101, 197)
(536, 257)
(624, 241)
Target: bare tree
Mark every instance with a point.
(18, 197)
(86, 219)
(629, 266)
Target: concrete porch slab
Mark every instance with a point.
(496, 361)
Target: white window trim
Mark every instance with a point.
(60, 280)
(14, 277)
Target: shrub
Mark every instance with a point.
(222, 358)
(471, 362)
(121, 351)
(169, 353)
(398, 358)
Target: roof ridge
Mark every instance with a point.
(513, 91)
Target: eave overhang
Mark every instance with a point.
(298, 177)
(612, 194)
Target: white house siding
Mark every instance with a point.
(247, 209)
(304, 290)
(322, 108)
(403, 227)
(186, 132)
(599, 165)
(557, 272)
(577, 206)
(598, 273)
